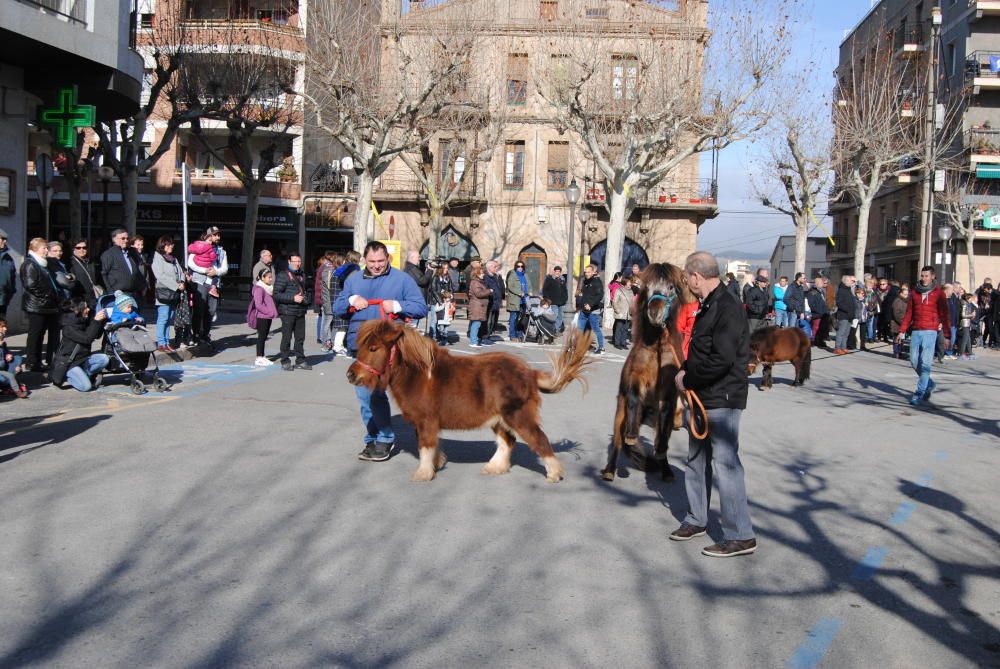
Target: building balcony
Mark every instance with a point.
(910, 41)
(222, 182)
(696, 193)
(73, 11)
(249, 25)
(842, 246)
(982, 71)
(406, 187)
(983, 8)
(983, 145)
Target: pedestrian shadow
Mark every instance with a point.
(18, 437)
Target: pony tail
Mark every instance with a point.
(569, 366)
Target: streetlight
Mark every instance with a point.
(584, 216)
(206, 199)
(105, 174)
(944, 234)
(572, 196)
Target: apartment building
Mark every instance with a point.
(70, 58)
(208, 30)
(967, 69)
(514, 206)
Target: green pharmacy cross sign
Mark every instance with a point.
(68, 116)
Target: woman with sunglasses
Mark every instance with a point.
(82, 269)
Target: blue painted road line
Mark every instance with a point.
(925, 479)
(902, 513)
(869, 564)
(811, 652)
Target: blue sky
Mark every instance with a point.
(757, 232)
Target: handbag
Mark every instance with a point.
(167, 296)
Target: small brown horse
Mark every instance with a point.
(436, 391)
(646, 390)
(770, 345)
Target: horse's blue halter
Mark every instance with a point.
(669, 300)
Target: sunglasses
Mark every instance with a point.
(80, 247)
(518, 266)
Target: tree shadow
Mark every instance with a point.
(30, 434)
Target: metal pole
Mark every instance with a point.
(104, 212)
(571, 303)
(927, 211)
(90, 207)
(583, 239)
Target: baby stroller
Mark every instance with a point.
(130, 348)
(540, 329)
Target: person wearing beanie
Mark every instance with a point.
(125, 309)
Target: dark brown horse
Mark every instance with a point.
(646, 391)
(436, 391)
(771, 345)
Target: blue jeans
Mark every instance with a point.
(80, 376)
(376, 415)
(922, 343)
(559, 317)
(164, 318)
(592, 321)
(718, 455)
(474, 332)
(783, 319)
(512, 331)
(7, 377)
(843, 332)
(872, 324)
(952, 343)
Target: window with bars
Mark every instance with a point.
(596, 12)
(548, 10)
(513, 178)
(517, 78)
(559, 73)
(451, 160)
(624, 76)
(558, 166)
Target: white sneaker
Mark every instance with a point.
(262, 362)
(475, 345)
(340, 351)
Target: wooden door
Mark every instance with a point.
(534, 269)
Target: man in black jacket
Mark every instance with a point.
(818, 311)
(554, 290)
(847, 309)
(496, 286)
(121, 267)
(290, 297)
(422, 278)
(590, 302)
(758, 301)
(716, 369)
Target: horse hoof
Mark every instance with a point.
(422, 476)
(608, 476)
(493, 469)
(440, 460)
(631, 441)
(554, 477)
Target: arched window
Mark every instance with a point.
(451, 244)
(535, 263)
(632, 254)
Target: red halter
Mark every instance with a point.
(388, 366)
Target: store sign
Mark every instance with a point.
(991, 219)
(65, 118)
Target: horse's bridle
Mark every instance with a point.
(656, 297)
(388, 365)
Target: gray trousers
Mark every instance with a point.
(718, 452)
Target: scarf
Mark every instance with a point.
(41, 260)
(925, 290)
(269, 289)
(169, 258)
(524, 283)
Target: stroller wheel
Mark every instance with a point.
(160, 385)
(138, 387)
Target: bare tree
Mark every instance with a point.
(640, 110)
(371, 85)
(74, 164)
(958, 208)
(248, 88)
(123, 142)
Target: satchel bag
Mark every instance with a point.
(167, 296)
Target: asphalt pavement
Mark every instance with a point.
(228, 523)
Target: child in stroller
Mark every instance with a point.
(541, 321)
(127, 343)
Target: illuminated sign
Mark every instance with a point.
(67, 117)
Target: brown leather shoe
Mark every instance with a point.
(839, 351)
(687, 532)
(730, 548)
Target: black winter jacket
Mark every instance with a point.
(85, 280)
(716, 366)
(592, 293)
(8, 280)
(758, 302)
(817, 303)
(795, 298)
(554, 290)
(847, 306)
(40, 294)
(423, 279)
(498, 289)
(74, 347)
(287, 285)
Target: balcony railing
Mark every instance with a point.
(241, 24)
(983, 141)
(223, 174)
(909, 35)
(983, 65)
(841, 244)
(74, 11)
(404, 185)
(698, 192)
(900, 231)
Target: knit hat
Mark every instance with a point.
(3, 234)
(121, 299)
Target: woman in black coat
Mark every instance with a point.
(74, 362)
(40, 304)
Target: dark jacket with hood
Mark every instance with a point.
(287, 285)
(817, 302)
(716, 365)
(846, 304)
(795, 298)
(758, 302)
(592, 293)
(40, 293)
(78, 333)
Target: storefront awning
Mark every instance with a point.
(988, 171)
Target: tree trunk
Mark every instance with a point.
(252, 189)
(436, 228)
(363, 211)
(129, 183)
(75, 210)
(970, 252)
(801, 239)
(861, 244)
(616, 235)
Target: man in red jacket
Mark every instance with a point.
(927, 311)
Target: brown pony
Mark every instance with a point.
(646, 390)
(770, 345)
(436, 391)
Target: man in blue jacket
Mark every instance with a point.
(400, 296)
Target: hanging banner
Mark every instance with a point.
(395, 250)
